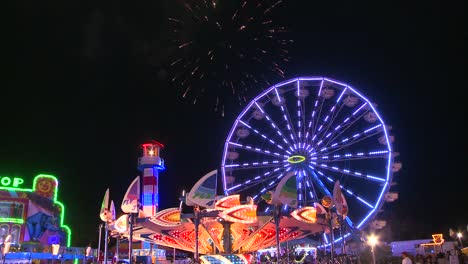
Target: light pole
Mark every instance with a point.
(372, 240)
(459, 235)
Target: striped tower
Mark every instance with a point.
(149, 165)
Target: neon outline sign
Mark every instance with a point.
(33, 189)
(6, 181)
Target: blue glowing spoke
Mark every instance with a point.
(324, 157)
(300, 175)
(310, 194)
(320, 184)
(287, 118)
(330, 118)
(268, 140)
(272, 123)
(318, 128)
(258, 165)
(348, 191)
(313, 120)
(346, 142)
(342, 128)
(270, 175)
(300, 114)
(348, 172)
(258, 150)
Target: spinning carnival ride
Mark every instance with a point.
(313, 137)
(321, 130)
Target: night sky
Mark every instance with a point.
(89, 82)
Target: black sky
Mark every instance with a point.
(88, 83)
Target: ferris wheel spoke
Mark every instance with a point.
(258, 150)
(257, 165)
(315, 126)
(287, 118)
(322, 187)
(306, 188)
(268, 139)
(348, 191)
(348, 141)
(356, 174)
(300, 114)
(328, 192)
(314, 115)
(345, 125)
(327, 157)
(326, 134)
(250, 183)
(327, 121)
(323, 136)
(272, 124)
(273, 181)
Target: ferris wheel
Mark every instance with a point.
(320, 129)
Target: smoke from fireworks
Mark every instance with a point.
(224, 48)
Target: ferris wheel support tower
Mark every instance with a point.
(149, 164)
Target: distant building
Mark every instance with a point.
(420, 246)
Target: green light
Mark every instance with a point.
(62, 207)
(11, 220)
(296, 159)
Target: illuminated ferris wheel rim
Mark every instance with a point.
(294, 158)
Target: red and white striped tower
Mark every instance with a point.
(149, 164)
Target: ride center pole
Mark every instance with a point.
(332, 238)
(130, 239)
(105, 242)
(197, 260)
(277, 219)
(99, 243)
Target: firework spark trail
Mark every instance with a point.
(226, 48)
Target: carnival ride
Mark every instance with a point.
(296, 158)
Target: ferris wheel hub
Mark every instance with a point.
(294, 159)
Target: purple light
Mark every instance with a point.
(355, 112)
(372, 128)
(333, 81)
(339, 98)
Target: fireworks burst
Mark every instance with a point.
(224, 48)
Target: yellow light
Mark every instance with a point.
(6, 245)
(296, 159)
(438, 239)
(372, 240)
(306, 214)
(55, 249)
(459, 235)
(151, 152)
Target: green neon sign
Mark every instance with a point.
(11, 220)
(14, 182)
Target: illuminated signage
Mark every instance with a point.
(11, 181)
(44, 186)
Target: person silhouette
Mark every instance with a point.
(406, 259)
